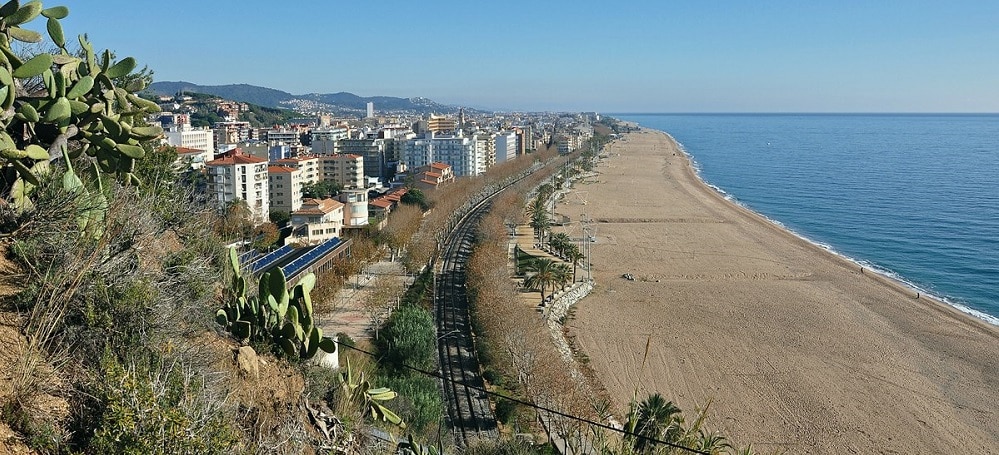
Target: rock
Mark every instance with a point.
(247, 361)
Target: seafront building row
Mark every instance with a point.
(268, 169)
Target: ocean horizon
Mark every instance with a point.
(913, 196)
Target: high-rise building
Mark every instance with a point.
(344, 170)
(373, 151)
(456, 151)
(371, 110)
(235, 177)
(506, 146)
(285, 188)
(441, 124)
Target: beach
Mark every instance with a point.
(796, 349)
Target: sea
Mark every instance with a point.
(912, 196)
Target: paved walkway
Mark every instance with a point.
(350, 315)
(524, 239)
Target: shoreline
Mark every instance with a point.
(890, 278)
(791, 344)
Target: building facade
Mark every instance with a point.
(236, 177)
(456, 151)
(316, 221)
(506, 146)
(344, 170)
(284, 188)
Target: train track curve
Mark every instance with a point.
(469, 412)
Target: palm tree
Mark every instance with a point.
(559, 242)
(654, 419)
(573, 255)
(562, 276)
(538, 214)
(713, 442)
(544, 276)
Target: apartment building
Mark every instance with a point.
(485, 151)
(456, 151)
(326, 141)
(440, 124)
(184, 135)
(309, 165)
(285, 188)
(376, 163)
(506, 145)
(355, 211)
(344, 170)
(233, 132)
(238, 177)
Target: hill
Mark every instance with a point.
(341, 102)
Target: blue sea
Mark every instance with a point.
(915, 197)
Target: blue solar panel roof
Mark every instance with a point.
(310, 257)
(269, 259)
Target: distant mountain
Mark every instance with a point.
(333, 102)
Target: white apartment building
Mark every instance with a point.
(506, 146)
(456, 151)
(309, 166)
(236, 177)
(344, 170)
(285, 188)
(326, 141)
(485, 151)
(184, 135)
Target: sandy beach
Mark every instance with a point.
(796, 349)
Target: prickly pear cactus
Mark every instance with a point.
(274, 315)
(63, 104)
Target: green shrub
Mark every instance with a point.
(155, 406)
(409, 338)
(419, 401)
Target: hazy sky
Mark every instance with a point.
(648, 56)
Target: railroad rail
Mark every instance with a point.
(469, 412)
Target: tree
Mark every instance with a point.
(279, 217)
(654, 418)
(265, 235)
(321, 189)
(537, 211)
(573, 255)
(415, 197)
(560, 242)
(546, 274)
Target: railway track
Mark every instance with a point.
(468, 407)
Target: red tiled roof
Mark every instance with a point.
(286, 169)
(312, 206)
(436, 165)
(381, 203)
(187, 150)
(230, 160)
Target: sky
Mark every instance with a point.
(607, 56)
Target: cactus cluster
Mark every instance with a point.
(274, 315)
(59, 103)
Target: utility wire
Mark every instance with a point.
(535, 406)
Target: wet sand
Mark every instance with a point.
(795, 348)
